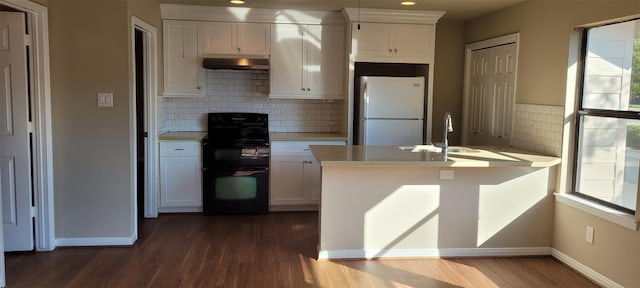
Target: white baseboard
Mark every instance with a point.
(585, 270)
(433, 253)
(180, 209)
(106, 241)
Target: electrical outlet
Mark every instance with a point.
(446, 174)
(589, 235)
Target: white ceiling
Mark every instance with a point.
(456, 9)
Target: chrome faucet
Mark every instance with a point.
(448, 128)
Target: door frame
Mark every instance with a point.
(41, 105)
(151, 155)
(497, 41)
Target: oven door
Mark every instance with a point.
(235, 189)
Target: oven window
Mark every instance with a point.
(236, 187)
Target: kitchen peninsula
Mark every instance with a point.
(383, 201)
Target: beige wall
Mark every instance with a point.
(448, 78)
(544, 28)
(148, 11)
(615, 252)
(89, 44)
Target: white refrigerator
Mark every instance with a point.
(391, 110)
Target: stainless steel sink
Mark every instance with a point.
(421, 148)
(461, 150)
(435, 149)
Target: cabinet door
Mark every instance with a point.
(219, 38)
(254, 38)
(180, 182)
(287, 185)
(371, 40)
(287, 61)
(413, 42)
(183, 72)
(313, 177)
(325, 59)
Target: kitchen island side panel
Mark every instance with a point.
(371, 212)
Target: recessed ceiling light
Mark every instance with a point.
(237, 2)
(407, 3)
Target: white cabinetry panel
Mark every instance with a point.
(236, 38)
(385, 42)
(180, 176)
(295, 175)
(307, 61)
(183, 72)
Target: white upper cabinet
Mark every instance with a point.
(236, 38)
(183, 72)
(392, 36)
(307, 61)
(384, 42)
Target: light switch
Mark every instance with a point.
(105, 99)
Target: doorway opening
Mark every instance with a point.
(143, 135)
(140, 127)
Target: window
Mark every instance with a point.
(608, 146)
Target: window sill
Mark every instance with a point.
(623, 219)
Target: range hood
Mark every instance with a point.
(239, 63)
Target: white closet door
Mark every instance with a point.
(15, 160)
(491, 95)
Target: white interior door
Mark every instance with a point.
(491, 95)
(15, 162)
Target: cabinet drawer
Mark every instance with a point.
(179, 148)
(297, 148)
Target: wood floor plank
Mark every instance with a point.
(272, 250)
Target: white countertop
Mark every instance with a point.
(182, 136)
(292, 136)
(390, 156)
(273, 136)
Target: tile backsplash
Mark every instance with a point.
(538, 128)
(248, 91)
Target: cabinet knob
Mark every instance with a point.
(395, 50)
(308, 89)
(238, 49)
(390, 50)
(303, 89)
(199, 87)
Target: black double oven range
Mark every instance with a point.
(235, 175)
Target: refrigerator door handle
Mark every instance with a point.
(364, 92)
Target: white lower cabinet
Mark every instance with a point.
(295, 176)
(180, 176)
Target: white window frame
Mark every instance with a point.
(570, 135)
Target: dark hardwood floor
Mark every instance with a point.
(273, 250)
